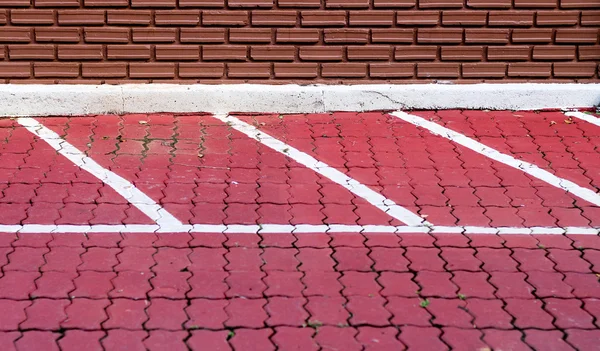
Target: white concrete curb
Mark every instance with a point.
(37, 100)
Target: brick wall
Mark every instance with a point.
(305, 41)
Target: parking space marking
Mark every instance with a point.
(122, 186)
(374, 198)
(289, 228)
(526, 167)
(584, 116)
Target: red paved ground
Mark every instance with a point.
(335, 291)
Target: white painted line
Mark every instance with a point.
(122, 186)
(287, 229)
(529, 168)
(584, 116)
(374, 198)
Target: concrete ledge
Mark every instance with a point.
(45, 100)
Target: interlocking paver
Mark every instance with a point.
(345, 290)
(246, 313)
(252, 339)
(545, 339)
(568, 313)
(528, 314)
(505, 340)
(422, 338)
(45, 314)
(285, 311)
(126, 314)
(86, 314)
(74, 340)
(511, 284)
(206, 313)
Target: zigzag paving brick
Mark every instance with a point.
(348, 287)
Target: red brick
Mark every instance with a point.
(273, 53)
(299, 3)
(33, 17)
(274, 18)
(225, 52)
(321, 53)
(353, 36)
(539, 70)
(486, 36)
(393, 3)
(297, 35)
(392, 35)
(212, 340)
(153, 3)
(546, 52)
(104, 70)
(369, 52)
(511, 18)
(577, 4)
(177, 18)
(418, 18)
(442, 36)
(505, 340)
(295, 70)
(346, 3)
(15, 34)
(509, 53)
(201, 3)
(557, 18)
(128, 17)
(81, 17)
(533, 35)
(371, 18)
(440, 3)
(438, 70)
(32, 51)
(589, 52)
(129, 52)
(106, 3)
(484, 4)
(464, 18)
(590, 18)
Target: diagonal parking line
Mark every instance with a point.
(122, 186)
(584, 116)
(529, 168)
(374, 198)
